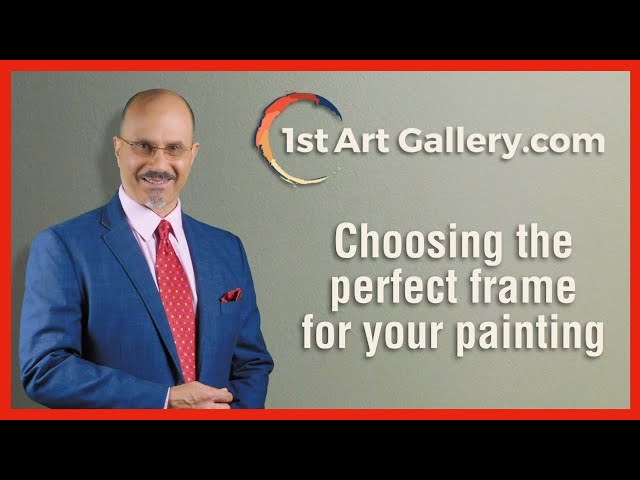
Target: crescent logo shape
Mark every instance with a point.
(270, 114)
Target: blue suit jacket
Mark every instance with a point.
(94, 333)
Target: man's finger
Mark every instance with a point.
(221, 395)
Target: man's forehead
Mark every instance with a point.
(153, 119)
(164, 103)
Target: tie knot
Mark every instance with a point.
(163, 230)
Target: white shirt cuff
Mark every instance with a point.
(166, 400)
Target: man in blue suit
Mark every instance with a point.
(100, 326)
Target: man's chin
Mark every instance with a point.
(156, 202)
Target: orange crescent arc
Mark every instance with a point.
(270, 114)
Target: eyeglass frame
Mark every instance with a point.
(156, 148)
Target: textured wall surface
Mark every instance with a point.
(63, 165)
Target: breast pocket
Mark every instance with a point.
(231, 308)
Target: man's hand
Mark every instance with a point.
(198, 395)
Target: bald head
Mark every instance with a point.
(146, 97)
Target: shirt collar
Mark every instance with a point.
(145, 221)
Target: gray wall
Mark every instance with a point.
(63, 165)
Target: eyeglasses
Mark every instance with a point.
(145, 149)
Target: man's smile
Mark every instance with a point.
(157, 182)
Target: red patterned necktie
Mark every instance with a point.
(175, 293)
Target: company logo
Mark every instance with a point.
(270, 114)
(448, 140)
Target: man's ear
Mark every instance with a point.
(194, 151)
(117, 146)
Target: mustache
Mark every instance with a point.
(153, 175)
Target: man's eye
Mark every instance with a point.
(144, 146)
(174, 148)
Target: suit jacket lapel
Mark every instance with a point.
(208, 285)
(123, 244)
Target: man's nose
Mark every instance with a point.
(159, 157)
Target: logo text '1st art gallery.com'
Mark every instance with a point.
(449, 140)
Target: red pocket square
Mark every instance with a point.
(232, 296)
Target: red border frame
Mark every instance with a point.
(9, 66)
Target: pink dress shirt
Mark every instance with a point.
(144, 221)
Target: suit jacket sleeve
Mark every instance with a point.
(251, 362)
(52, 369)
